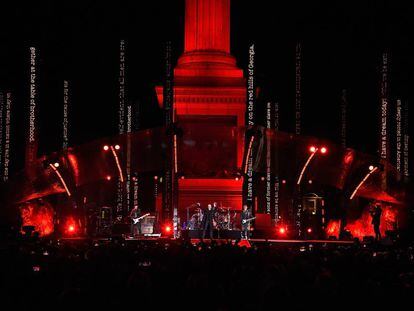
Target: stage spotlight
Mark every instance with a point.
(309, 230)
(108, 177)
(312, 149)
(236, 178)
(71, 229)
(167, 229)
(106, 147)
(371, 167)
(310, 181)
(284, 181)
(282, 231)
(324, 150)
(155, 177)
(117, 147)
(56, 164)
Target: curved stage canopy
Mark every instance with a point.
(90, 165)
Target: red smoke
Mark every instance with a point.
(362, 226)
(333, 228)
(39, 216)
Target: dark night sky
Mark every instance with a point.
(79, 41)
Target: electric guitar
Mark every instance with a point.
(136, 220)
(247, 220)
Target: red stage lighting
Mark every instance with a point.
(117, 147)
(309, 230)
(70, 226)
(108, 177)
(106, 147)
(324, 150)
(371, 167)
(282, 230)
(167, 229)
(56, 164)
(312, 149)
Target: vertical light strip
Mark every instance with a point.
(1, 129)
(344, 106)
(406, 169)
(128, 164)
(268, 158)
(298, 90)
(384, 144)
(65, 126)
(398, 138)
(7, 137)
(31, 148)
(251, 121)
(276, 161)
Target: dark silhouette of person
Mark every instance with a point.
(376, 212)
(245, 215)
(207, 223)
(135, 213)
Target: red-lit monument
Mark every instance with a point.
(209, 101)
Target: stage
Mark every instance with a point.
(195, 241)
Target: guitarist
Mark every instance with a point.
(134, 214)
(246, 216)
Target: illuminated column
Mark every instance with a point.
(31, 142)
(207, 25)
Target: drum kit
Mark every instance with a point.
(224, 218)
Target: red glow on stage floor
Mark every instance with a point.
(71, 227)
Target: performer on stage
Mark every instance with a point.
(207, 222)
(376, 212)
(134, 214)
(245, 222)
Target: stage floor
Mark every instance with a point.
(218, 241)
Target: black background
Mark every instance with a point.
(342, 46)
